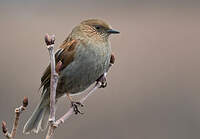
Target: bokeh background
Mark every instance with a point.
(153, 89)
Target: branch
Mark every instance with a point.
(18, 111)
(54, 76)
(53, 83)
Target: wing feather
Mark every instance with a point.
(65, 54)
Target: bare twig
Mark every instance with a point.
(50, 132)
(54, 76)
(53, 84)
(52, 123)
(18, 111)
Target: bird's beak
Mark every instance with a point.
(111, 31)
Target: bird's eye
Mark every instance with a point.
(97, 27)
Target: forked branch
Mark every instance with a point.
(18, 111)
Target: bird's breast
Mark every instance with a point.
(89, 64)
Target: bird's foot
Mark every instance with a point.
(103, 80)
(75, 106)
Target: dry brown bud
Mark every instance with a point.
(4, 129)
(49, 39)
(112, 59)
(25, 102)
(53, 39)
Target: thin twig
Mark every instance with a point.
(18, 111)
(50, 132)
(54, 76)
(53, 84)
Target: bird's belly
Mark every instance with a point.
(84, 71)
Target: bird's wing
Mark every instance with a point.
(65, 54)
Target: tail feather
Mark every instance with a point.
(45, 118)
(37, 120)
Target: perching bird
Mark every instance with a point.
(85, 56)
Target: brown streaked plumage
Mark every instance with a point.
(65, 54)
(85, 56)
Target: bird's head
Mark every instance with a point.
(97, 28)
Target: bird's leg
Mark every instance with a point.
(103, 81)
(75, 104)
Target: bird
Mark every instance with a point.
(85, 56)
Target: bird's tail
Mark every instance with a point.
(38, 119)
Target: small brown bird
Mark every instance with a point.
(85, 56)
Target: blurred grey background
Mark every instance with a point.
(153, 89)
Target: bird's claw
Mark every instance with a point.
(75, 106)
(103, 85)
(102, 79)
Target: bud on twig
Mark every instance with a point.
(25, 102)
(49, 39)
(4, 129)
(112, 59)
